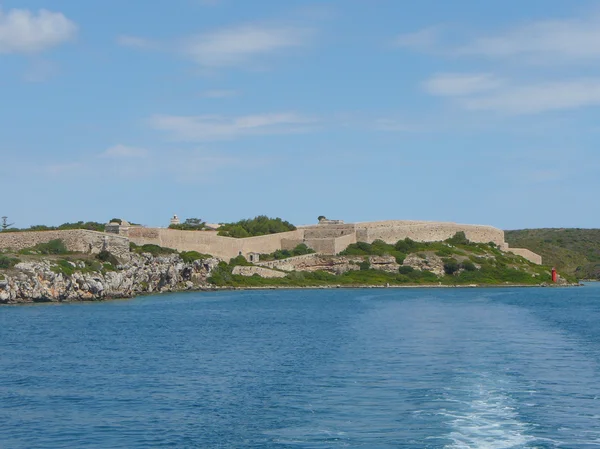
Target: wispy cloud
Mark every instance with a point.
(22, 31)
(124, 151)
(241, 46)
(554, 41)
(549, 40)
(455, 84)
(541, 97)
(214, 127)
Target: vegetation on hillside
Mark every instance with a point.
(88, 225)
(190, 224)
(464, 263)
(155, 250)
(574, 252)
(53, 247)
(261, 225)
(299, 250)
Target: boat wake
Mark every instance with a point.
(486, 420)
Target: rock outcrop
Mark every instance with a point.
(425, 262)
(332, 264)
(41, 281)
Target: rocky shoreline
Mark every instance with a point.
(44, 281)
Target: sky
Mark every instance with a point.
(359, 110)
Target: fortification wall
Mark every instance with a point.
(288, 264)
(208, 242)
(526, 254)
(341, 243)
(392, 231)
(262, 272)
(76, 240)
(328, 231)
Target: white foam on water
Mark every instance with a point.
(487, 421)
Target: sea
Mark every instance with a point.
(332, 368)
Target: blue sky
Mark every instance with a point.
(467, 111)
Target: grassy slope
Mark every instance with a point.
(496, 268)
(572, 251)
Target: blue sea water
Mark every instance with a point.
(371, 368)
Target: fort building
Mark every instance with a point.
(329, 237)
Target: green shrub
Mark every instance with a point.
(191, 224)
(107, 267)
(468, 265)
(106, 256)
(451, 266)
(155, 250)
(8, 262)
(406, 246)
(444, 252)
(302, 249)
(191, 256)
(53, 247)
(261, 225)
(400, 257)
(458, 239)
(405, 269)
(239, 260)
(365, 265)
(64, 267)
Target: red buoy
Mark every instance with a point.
(554, 275)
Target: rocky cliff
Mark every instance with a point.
(45, 281)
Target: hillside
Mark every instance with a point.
(572, 251)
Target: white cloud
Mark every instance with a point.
(213, 127)
(22, 31)
(550, 40)
(124, 151)
(240, 46)
(455, 84)
(218, 93)
(537, 98)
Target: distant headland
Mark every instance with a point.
(119, 259)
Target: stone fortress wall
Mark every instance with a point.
(208, 242)
(76, 240)
(326, 238)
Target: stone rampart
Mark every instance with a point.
(290, 263)
(262, 272)
(392, 231)
(208, 242)
(76, 240)
(526, 254)
(328, 231)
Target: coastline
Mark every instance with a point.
(216, 289)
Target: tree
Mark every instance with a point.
(5, 224)
(322, 217)
(193, 221)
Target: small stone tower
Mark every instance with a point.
(175, 220)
